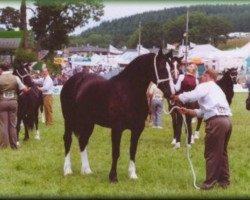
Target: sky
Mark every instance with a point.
(118, 9)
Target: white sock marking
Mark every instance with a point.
(67, 165)
(85, 162)
(131, 170)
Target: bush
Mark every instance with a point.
(24, 55)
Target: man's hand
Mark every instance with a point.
(176, 99)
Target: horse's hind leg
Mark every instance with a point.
(84, 135)
(18, 129)
(135, 135)
(67, 143)
(116, 140)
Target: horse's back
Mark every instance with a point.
(76, 93)
(93, 99)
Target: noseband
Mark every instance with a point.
(158, 80)
(22, 76)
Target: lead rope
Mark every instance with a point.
(188, 150)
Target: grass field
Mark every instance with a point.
(36, 169)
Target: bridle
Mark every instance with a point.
(158, 80)
(22, 76)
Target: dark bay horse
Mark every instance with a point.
(28, 103)
(176, 66)
(226, 83)
(118, 103)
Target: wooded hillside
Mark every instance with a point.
(119, 31)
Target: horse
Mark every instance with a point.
(226, 83)
(118, 103)
(28, 103)
(176, 67)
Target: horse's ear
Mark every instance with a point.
(180, 58)
(160, 53)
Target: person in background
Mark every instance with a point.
(186, 83)
(47, 90)
(155, 99)
(9, 86)
(216, 112)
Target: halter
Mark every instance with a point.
(158, 80)
(22, 76)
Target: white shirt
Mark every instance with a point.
(48, 85)
(211, 99)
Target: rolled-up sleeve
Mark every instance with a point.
(20, 84)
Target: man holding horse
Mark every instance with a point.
(47, 90)
(9, 85)
(216, 111)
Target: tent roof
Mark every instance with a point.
(9, 43)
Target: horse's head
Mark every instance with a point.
(24, 74)
(162, 70)
(232, 74)
(176, 67)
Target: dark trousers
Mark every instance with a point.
(218, 131)
(179, 127)
(8, 120)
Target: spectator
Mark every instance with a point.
(155, 104)
(47, 90)
(9, 85)
(216, 111)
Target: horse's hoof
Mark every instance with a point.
(133, 176)
(113, 180)
(86, 171)
(37, 137)
(67, 172)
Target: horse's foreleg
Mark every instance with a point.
(26, 131)
(18, 128)
(37, 135)
(197, 130)
(174, 124)
(67, 143)
(116, 140)
(135, 135)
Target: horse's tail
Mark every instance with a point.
(67, 98)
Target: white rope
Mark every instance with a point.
(188, 150)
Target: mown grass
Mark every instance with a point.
(36, 169)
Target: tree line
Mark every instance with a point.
(207, 23)
(53, 21)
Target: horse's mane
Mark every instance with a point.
(135, 65)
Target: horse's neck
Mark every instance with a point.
(225, 81)
(136, 79)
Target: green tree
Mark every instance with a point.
(10, 18)
(202, 28)
(56, 19)
(23, 23)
